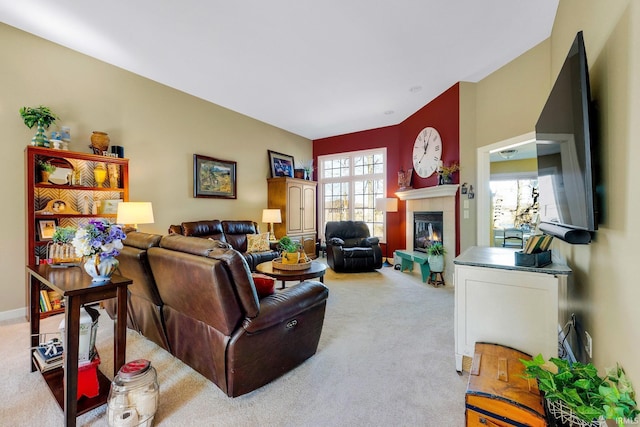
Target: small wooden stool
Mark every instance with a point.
(433, 278)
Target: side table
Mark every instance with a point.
(76, 287)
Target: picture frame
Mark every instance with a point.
(46, 228)
(281, 164)
(214, 178)
(109, 206)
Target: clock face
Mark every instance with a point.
(427, 151)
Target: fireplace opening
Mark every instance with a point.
(427, 230)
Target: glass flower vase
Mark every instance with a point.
(100, 268)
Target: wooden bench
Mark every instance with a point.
(407, 258)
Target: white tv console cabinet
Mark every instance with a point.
(499, 302)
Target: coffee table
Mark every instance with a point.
(316, 269)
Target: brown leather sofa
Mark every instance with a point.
(350, 247)
(217, 324)
(232, 232)
(144, 306)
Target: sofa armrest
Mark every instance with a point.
(370, 241)
(278, 307)
(335, 241)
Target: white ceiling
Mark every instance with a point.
(314, 68)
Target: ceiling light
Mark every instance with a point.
(389, 112)
(508, 154)
(415, 89)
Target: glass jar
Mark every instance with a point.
(133, 397)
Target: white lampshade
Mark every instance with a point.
(387, 204)
(271, 216)
(135, 213)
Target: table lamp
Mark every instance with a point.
(387, 204)
(134, 213)
(271, 216)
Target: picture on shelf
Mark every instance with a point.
(46, 228)
(109, 206)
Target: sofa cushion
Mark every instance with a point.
(265, 285)
(258, 242)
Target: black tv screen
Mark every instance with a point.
(564, 142)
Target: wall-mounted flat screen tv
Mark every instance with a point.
(565, 151)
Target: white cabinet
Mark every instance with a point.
(498, 302)
(296, 199)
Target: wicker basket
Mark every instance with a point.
(563, 416)
(277, 263)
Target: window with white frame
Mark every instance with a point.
(348, 186)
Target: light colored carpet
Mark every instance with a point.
(386, 358)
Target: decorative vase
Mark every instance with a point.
(436, 263)
(40, 138)
(290, 257)
(99, 142)
(100, 174)
(100, 268)
(44, 177)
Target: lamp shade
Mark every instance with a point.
(271, 216)
(135, 213)
(387, 204)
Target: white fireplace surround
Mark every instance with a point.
(439, 198)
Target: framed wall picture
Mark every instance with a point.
(281, 164)
(214, 178)
(46, 228)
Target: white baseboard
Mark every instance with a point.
(14, 314)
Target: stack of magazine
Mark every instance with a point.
(48, 355)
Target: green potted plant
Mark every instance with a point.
(435, 257)
(290, 250)
(577, 391)
(46, 169)
(42, 117)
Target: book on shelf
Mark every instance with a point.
(538, 243)
(55, 299)
(48, 355)
(45, 298)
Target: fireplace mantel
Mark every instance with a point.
(428, 192)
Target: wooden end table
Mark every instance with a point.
(316, 269)
(76, 287)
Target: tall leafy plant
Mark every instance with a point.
(580, 387)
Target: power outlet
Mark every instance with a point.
(588, 344)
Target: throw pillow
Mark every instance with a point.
(257, 242)
(265, 285)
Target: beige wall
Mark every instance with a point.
(160, 129)
(514, 166)
(604, 289)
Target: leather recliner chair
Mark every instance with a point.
(350, 247)
(216, 323)
(144, 306)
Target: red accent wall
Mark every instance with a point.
(443, 114)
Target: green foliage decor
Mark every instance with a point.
(46, 166)
(587, 394)
(42, 116)
(64, 234)
(287, 245)
(436, 249)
